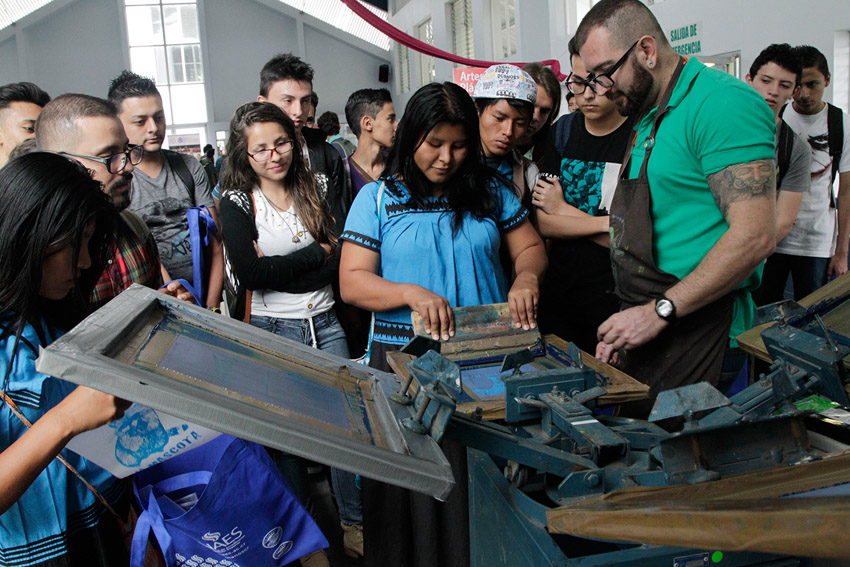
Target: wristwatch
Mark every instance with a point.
(665, 309)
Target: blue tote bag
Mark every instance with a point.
(222, 504)
(201, 228)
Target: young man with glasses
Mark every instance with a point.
(88, 130)
(577, 292)
(166, 185)
(689, 231)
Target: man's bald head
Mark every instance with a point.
(625, 20)
(57, 128)
(88, 129)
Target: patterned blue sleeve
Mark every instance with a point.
(509, 210)
(363, 224)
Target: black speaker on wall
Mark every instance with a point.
(384, 73)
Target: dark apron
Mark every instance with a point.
(690, 349)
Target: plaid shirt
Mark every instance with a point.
(134, 260)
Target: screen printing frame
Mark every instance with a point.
(85, 356)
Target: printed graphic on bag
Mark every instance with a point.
(272, 538)
(142, 438)
(198, 561)
(230, 545)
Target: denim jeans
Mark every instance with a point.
(329, 338)
(347, 493)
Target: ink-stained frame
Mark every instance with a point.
(101, 352)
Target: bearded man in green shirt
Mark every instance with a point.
(692, 225)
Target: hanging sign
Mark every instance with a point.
(686, 39)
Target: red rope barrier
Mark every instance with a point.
(400, 37)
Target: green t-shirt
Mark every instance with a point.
(714, 121)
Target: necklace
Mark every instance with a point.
(296, 230)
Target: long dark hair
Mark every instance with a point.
(47, 200)
(470, 189)
(299, 181)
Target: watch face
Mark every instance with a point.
(664, 308)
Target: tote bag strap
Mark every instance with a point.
(181, 481)
(199, 239)
(188, 287)
(150, 520)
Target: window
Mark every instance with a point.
(165, 44)
(462, 37)
(575, 11)
(424, 32)
(404, 65)
(504, 28)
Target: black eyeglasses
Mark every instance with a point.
(116, 162)
(281, 148)
(601, 83)
(578, 86)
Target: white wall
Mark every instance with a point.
(58, 53)
(750, 26)
(240, 38)
(9, 72)
(346, 70)
(79, 46)
(727, 26)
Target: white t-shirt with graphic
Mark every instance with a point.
(814, 233)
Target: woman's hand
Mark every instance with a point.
(85, 409)
(523, 299)
(437, 316)
(82, 410)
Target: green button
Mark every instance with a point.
(717, 557)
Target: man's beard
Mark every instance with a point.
(634, 101)
(122, 201)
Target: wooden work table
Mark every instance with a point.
(751, 342)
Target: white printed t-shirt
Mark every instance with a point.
(814, 233)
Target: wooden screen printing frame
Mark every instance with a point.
(107, 352)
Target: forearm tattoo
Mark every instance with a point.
(743, 181)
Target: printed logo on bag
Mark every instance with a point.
(272, 538)
(198, 561)
(283, 549)
(227, 545)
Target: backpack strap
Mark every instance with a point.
(249, 295)
(835, 134)
(562, 132)
(783, 151)
(181, 169)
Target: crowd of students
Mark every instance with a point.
(334, 247)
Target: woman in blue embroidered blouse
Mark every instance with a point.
(426, 237)
(55, 232)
